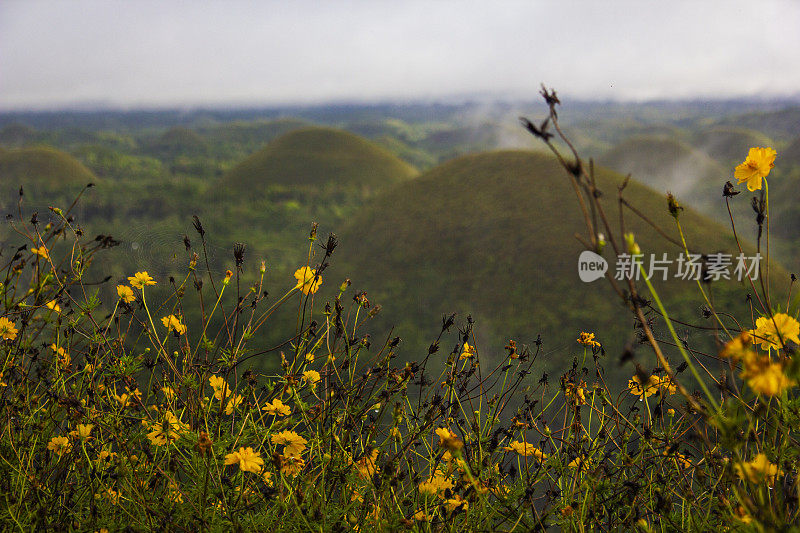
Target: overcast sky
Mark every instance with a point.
(141, 53)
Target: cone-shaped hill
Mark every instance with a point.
(314, 157)
(730, 145)
(493, 235)
(43, 172)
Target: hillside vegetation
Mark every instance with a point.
(493, 235)
(312, 157)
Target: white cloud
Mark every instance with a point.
(160, 53)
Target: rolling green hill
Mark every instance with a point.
(492, 235)
(313, 157)
(44, 173)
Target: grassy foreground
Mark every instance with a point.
(114, 416)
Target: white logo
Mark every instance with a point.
(591, 266)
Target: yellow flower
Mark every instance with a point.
(233, 403)
(175, 494)
(2, 383)
(41, 252)
(311, 377)
(166, 431)
(776, 331)
(635, 386)
(247, 459)
(293, 443)
(173, 323)
(739, 347)
(169, 393)
(765, 377)
(576, 394)
(436, 484)
(667, 386)
(291, 465)
(456, 502)
(105, 457)
(221, 389)
(366, 466)
(757, 166)
(587, 339)
(449, 440)
(140, 279)
(305, 280)
(63, 357)
(525, 449)
(83, 431)
(53, 305)
(128, 398)
(125, 294)
(277, 408)
(579, 462)
(110, 495)
(422, 516)
(758, 470)
(7, 329)
(59, 445)
(467, 351)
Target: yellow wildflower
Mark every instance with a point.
(635, 386)
(293, 443)
(436, 484)
(422, 516)
(169, 393)
(277, 408)
(467, 351)
(456, 502)
(305, 280)
(140, 279)
(59, 445)
(173, 323)
(756, 167)
(576, 394)
(53, 305)
(758, 470)
(166, 431)
(587, 339)
(367, 466)
(221, 389)
(110, 495)
(526, 450)
(82, 431)
(739, 347)
(311, 377)
(41, 252)
(765, 377)
(776, 331)
(233, 403)
(247, 459)
(63, 357)
(128, 398)
(291, 465)
(449, 440)
(125, 294)
(667, 386)
(7, 329)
